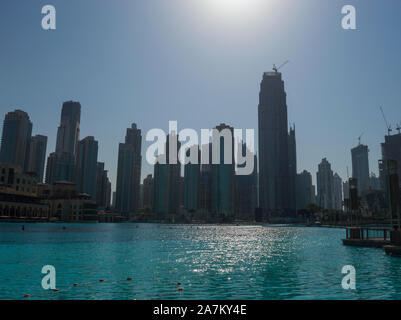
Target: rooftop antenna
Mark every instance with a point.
(359, 139)
(275, 69)
(385, 120)
(347, 173)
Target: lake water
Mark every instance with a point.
(210, 261)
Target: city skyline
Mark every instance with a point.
(326, 86)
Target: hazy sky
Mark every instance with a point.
(200, 62)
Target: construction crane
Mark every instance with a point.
(385, 120)
(359, 138)
(275, 69)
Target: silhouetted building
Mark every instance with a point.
(223, 174)
(14, 180)
(292, 167)
(113, 200)
(148, 193)
(103, 187)
(276, 177)
(61, 163)
(205, 185)
(374, 182)
(391, 150)
(68, 131)
(161, 190)
(18, 196)
(192, 181)
(60, 167)
(129, 172)
(360, 167)
(86, 166)
(314, 201)
(246, 195)
(16, 137)
(325, 186)
(305, 191)
(66, 204)
(37, 156)
(346, 189)
(337, 192)
(167, 180)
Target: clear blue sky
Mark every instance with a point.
(200, 62)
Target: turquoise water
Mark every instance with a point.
(211, 262)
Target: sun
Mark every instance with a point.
(232, 5)
(233, 9)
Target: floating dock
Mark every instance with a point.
(367, 237)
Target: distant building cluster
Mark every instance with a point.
(73, 175)
(74, 184)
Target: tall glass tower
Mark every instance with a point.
(61, 164)
(276, 186)
(16, 138)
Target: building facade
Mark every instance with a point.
(103, 187)
(223, 173)
(16, 138)
(391, 150)
(129, 172)
(337, 192)
(305, 191)
(61, 163)
(37, 156)
(325, 186)
(192, 181)
(86, 166)
(360, 167)
(276, 186)
(148, 193)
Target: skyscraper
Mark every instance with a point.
(129, 172)
(148, 193)
(161, 190)
(337, 192)
(276, 185)
(325, 186)
(391, 150)
(68, 131)
(16, 137)
(61, 164)
(346, 190)
(246, 195)
(192, 182)
(374, 182)
(167, 179)
(360, 167)
(60, 167)
(103, 187)
(292, 167)
(86, 166)
(37, 156)
(223, 175)
(305, 191)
